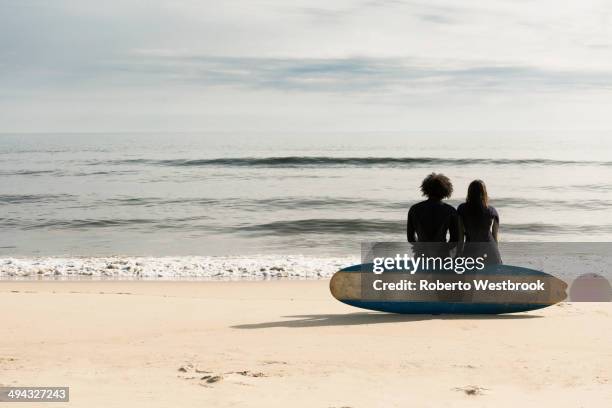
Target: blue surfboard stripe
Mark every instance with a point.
(443, 307)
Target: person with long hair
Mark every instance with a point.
(479, 224)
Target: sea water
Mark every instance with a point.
(294, 197)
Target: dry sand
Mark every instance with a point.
(290, 344)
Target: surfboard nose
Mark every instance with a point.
(558, 290)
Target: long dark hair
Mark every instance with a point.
(477, 199)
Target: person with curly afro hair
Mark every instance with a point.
(433, 220)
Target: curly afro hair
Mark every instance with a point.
(437, 186)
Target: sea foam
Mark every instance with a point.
(190, 267)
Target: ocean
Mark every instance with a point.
(294, 196)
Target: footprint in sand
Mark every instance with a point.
(471, 390)
(9, 362)
(247, 373)
(470, 366)
(187, 371)
(210, 379)
(269, 362)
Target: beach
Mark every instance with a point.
(181, 182)
(286, 343)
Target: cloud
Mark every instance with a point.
(426, 11)
(358, 75)
(351, 63)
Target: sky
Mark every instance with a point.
(266, 66)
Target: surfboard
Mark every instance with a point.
(356, 286)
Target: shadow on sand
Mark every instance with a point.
(352, 319)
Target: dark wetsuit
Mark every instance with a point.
(430, 221)
(428, 224)
(479, 239)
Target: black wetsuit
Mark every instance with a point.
(477, 224)
(430, 221)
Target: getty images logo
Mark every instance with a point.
(412, 264)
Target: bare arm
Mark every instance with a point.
(495, 229)
(461, 235)
(410, 231)
(453, 231)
